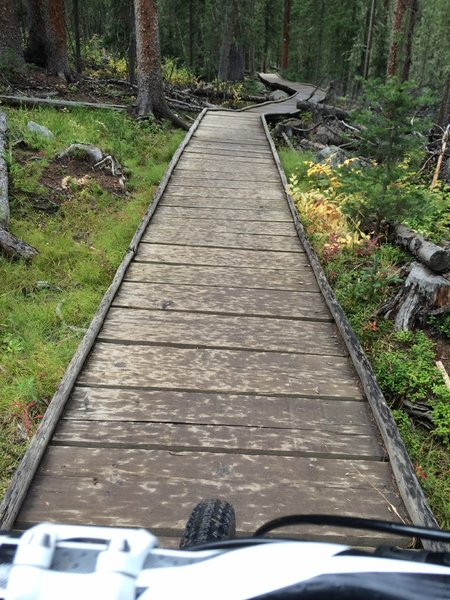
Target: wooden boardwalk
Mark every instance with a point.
(218, 371)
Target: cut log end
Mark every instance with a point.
(422, 294)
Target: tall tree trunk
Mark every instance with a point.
(76, 26)
(47, 37)
(267, 15)
(10, 47)
(286, 28)
(399, 14)
(191, 33)
(369, 39)
(444, 112)
(150, 83)
(225, 46)
(36, 45)
(131, 46)
(413, 10)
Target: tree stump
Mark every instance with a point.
(424, 293)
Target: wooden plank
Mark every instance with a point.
(213, 226)
(217, 149)
(220, 257)
(196, 155)
(209, 181)
(158, 489)
(195, 201)
(194, 191)
(223, 300)
(241, 141)
(222, 276)
(189, 237)
(225, 213)
(220, 331)
(228, 171)
(148, 406)
(229, 371)
(213, 438)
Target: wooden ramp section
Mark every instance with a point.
(218, 371)
(287, 107)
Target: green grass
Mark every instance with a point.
(363, 278)
(45, 305)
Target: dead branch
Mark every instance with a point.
(434, 257)
(441, 157)
(31, 101)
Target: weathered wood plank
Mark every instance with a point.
(220, 257)
(214, 226)
(158, 489)
(213, 202)
(229, 371)
(221, 331)
(193, 191)
(188, 237)
(194, 179)
(225, 300)
(213, 149)
(196, 155)
(225, 213)
(148, 406)
(239, 142)
(222, 276)
(213, 438)
(228, 171)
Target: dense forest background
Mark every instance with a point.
(313, 40)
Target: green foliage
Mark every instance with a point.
(176, 74)
(389, 137)
(440, 324)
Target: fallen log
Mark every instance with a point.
(4, 202)
(31, 101)
(324, 109)
(434, 257)
(12, 247)
(224, 95)
(424, 293)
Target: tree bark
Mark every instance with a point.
(47, 37)
(76, 26)
(286, 31)
(444, 111)
(57, 59)
(399, 14)
(4, 202)
(434, 257)
(423, 293)
(369, 39)
(11, 54)
(36, 47)
(150, 83)
(413, 10)
(225, 46)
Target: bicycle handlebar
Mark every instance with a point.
(75, 562)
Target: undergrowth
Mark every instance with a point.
(365, 271)
(47, 304)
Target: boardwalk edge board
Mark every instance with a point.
(27, 468)
(410, 490)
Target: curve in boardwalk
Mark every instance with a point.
(298, 91)
(218, 371)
